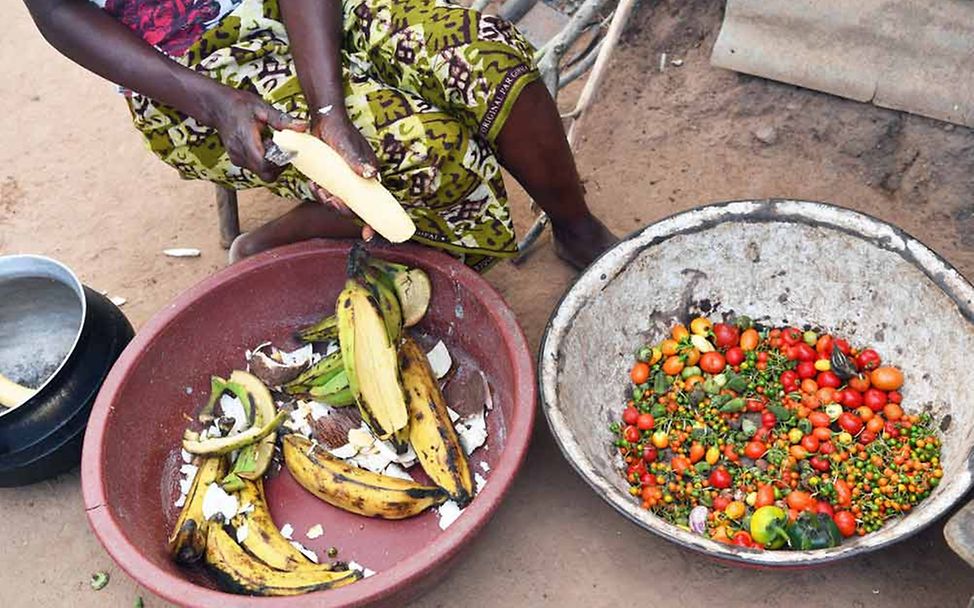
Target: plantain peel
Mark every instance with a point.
(264, 540)
(188, 540)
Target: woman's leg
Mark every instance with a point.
(309, 220)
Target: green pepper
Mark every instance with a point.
(659, 383)
(736, 383)
(780, 412)
(805, 425)
(690, 371)
(813, 531)
(702, 467)
(768, 527)
(710, 386)
(658, 410)
(734, 405)
(744, 322)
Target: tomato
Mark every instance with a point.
(789, 380)
(725, 335)
(754, 450)
(679, 464)
(824, 345)
(828, 379)
(875, 425)
(630, 415)
(806, 369)
(768, 419)
(735, 510)
(822, 433)
(713, 362)
(645, 422)
(827, 394)
(791, 352)
(712, 455)
(673, 365)
(819, 464)
(867, 437)
(859, 383)
(750, 339)
(798, 452)
(865, 413)
(791, 336)
(850, 423)
(806, 352)
(894, 397)
(826, 448)
(661, 439)
(730, 453)
(650, 453)
(845, 522)
(874, 399)
(824, 507)
(868, 360)
(843, 345)
(679, 332)
(735, 356)
(851, 398)
(693, 357)
(893, 411)
(809, 386)
(886, 378)
(668, 347)
(819, 419)
(843, 492)
(800, 500)
(631, 434)
(700, 326)
(765, 496)
(721, 502)
(810, 443)
(742, 539)
(890, 429)
(639, 373)
(720, 478)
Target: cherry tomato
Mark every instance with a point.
(851, 398)
(721, 502)
(725, 335)
(828, 379)
(645, 422)
(806, 369)
(800, 500)
(886, 378)
(639, 373)
(806, 352)
(850, 423)
(742, 539)
(754, 450)
(819, 419)
(650, 453)
(696, 453)
(845, 522)
(647, 479)
(631, 434)
(843, 345)
(824, 345)
(819, 464)
(750, 339)
(890, 429)
(768, 419)
(789, 379)
(894, 397)
(720, 478)
(713, 362)
(735, 356)
(868, 360)
(765, 496)
(810, 443)
(791, 336)
(824, 507)
(630, 415)
(874, 399)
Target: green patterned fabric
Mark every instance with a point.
(429, 84)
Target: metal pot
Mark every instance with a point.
(60, 338)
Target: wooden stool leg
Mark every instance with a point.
(226, 209)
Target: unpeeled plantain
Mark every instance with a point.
(187, 542)
(264, 540)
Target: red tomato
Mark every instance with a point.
(630, 415)
(639, 373)
(735, 356)
(826, 448)
(791, 352)
(679, 464)
(843, 493)
(824, 507)
(822, 433)
(845, 522)
(631, 434)
(730, 454)
(828, 379)
(874, 399)
(697, 452)
(650, 453)
(791, 336)
(867, 437)
(765, 496)
(645, 422)
(819, 419)
(868, 360)
(800, 500)
(721, 502)
(768, 419)
(742, 539)
(647, 479)
(850, 423)
(754, 450)
(851, 398)
(725, 335)
(810, 443)
(890, 429)
(712, 362)
(859, 383)
(894, 397)
(843, 346)
(824, 345)
(720, 478)
(806, 352)
(806, 370)
(789, 380)
(820, 464)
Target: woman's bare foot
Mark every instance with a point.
(581, 241)
(308, 220)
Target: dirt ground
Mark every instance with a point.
(76, 184)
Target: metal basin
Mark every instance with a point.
(780, 261)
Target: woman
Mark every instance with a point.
(425, 93)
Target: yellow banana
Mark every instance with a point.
(188, 539)
(353, 489)
(431, 432)
(264, 541)
(238, 571)
(370, 360)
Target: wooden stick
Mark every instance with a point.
(555, 49)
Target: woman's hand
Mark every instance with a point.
(241, 118)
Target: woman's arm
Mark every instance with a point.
(93, 39)
(314, 28)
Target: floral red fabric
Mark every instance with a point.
(170, 25)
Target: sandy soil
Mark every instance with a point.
(76, 184)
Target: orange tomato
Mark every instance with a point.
(865, 413)
(679, 464)
(750, 339)
(893, 411)
(693, 356)
(826, 394)
(700, 326)
(859, 383)
(798, 452)
(886, 378)
(875, 424)
(822, 433)
(668, 347)
(809, 386)
(800, 500)
(673, 365)
(691, 382)
(639, 373)
(819, 419)
(696, 453)
(679, 332)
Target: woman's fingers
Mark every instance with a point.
(276, 119)
(368, 233)
(326, 198)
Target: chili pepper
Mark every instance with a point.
(734, 406)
